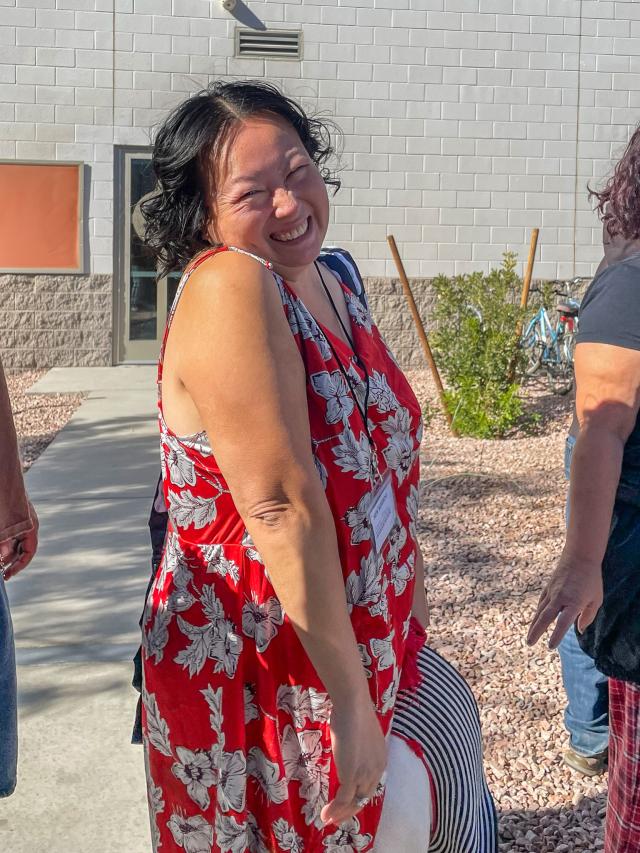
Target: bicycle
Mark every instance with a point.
(549, 347)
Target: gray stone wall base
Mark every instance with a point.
(55, 320)
(66, 321)
(392, 315)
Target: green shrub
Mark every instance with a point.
(476, 348)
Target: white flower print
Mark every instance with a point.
(389, 695)
(199, 442)
(381, 606)
(322, 471)
(287, 838)
(175, 563)
(217, 640)
(303, 704)
(315, 792)
(193, 834)
(181, 469)
(211, 605)
(413, 504)
(347, 838)
(354, 454)
(195, 770)
(213, 699)
(358, 386)
(397, 541)
(357, 518)
(231, 836)
(156, 805)
(267, 775)
(194, 656)
(260, 620)
(334, 389)
(157, 730)
(232, 781)
(256, 841)
(303, 755)
(179, 600)
(218, 563)
(310, 330)
(366, 659)
(405, 627)
(250, 707)
(226, 647)
(156, 637)
(402, 574)
(358, 312)
(252, 554)
(186, 509)
(364, 587)
(399, 452)
(380, 394)
(383, 651)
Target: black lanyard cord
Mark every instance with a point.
(359, 362)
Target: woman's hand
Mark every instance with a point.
(360, 755)
(18, 553)
(573, 592)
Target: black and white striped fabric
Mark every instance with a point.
(442, 717)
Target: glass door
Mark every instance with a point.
(143, 301)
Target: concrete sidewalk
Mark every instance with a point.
(75, 611)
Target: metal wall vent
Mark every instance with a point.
(271, 44)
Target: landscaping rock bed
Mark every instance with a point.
(492, 523)
(40, 417)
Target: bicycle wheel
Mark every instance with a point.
(568, 347)
(560, 376)
(533, 348)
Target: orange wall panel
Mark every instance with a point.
(40, 214)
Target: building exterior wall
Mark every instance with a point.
(55, 321)
(466, 122)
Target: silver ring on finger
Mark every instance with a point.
(361, 802)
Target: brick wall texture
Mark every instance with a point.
(466, 122)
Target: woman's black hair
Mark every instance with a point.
(177, 213)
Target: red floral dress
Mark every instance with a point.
(236, 720)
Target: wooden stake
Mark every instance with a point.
(524, 297)
(422, 335)
(526, 283)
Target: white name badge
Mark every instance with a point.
(382, 512)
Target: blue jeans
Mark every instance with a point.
(8, 699)
(587, 714)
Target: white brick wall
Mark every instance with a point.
(466, 122)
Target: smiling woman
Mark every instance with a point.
(288, 614)
(187, 157)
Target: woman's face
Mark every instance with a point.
(270, 198)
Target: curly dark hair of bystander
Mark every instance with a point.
(618, 204)
(186, 145)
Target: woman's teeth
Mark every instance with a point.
(292, 235)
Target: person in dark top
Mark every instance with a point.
(596, 583)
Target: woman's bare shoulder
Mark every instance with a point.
(228, 294)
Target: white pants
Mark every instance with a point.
(405, 823)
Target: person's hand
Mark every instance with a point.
(573, 592)
(17, 553)
(360, 755)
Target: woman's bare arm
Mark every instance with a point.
(243, 371)
(607, 403)
(420, 608)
